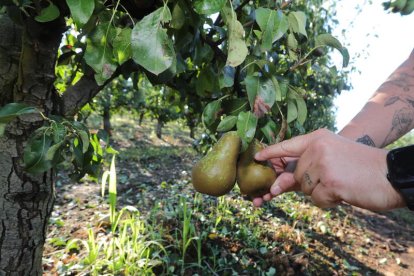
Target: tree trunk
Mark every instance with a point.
(191, 126)
(159, 128)
(26, 203)
(192, 134)
(107, 120)
(141, 118)
(26, 200)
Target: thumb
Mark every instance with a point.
(285, 182)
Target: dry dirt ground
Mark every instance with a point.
(368, 244)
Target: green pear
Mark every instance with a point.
(253, 177)
(215, 173)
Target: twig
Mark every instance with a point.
(285, 4)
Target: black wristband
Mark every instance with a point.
(408, 195)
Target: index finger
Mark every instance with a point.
(288, 148)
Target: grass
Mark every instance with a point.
(179, 232)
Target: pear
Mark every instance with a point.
(253, 177)
(215, 173)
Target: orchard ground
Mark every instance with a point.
(188, 233)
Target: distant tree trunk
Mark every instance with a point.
(141, 118)
(26, 201)
(191, 126)
(192, 134)
(159, 128)
(107, 120)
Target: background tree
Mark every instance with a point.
(161, 103)
(121, 95)
(252, 64)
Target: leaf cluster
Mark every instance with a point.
(60, 143)
(261, 68)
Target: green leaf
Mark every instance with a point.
(85, 140)
(260, 87)
(51, 152)
(152, 48)
(302, 110)
(252, 84)
(276, 86)
(178, 17)
(227, 77)
(292, 42)
(297, 21)
(99, 53)
(13, 110)
(35, 154)
(235, 106)
(47, 14)
(292, 111)
(211, 113)
(122, 45)
(270, 131)
(207, 82)
(246, 127)
(273, 25)
(81, 10)
(237, 49)
(345, 56)
(59, 132)
(112, 190)
(227, 123)
(208, 7)
(327, 40)
(78, 153)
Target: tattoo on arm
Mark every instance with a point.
(366, 140)
(391, 100)
(402, 122)
(401, 80)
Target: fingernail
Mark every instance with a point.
(275, 190)
(257, 156)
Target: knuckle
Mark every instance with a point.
(329, 180)
(322, 132)
(319, 145)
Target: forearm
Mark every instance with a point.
(389, 114)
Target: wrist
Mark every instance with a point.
(401, 173)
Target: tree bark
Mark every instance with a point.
(192, 133)
(107, 120)
(141, 118)
(26, 203)
(26, 200)
(159, 128)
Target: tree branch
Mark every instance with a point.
(79, 94)
(236, 85)
(217, 51)
(240, 7)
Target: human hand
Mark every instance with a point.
(280, 165)
(332, 169)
